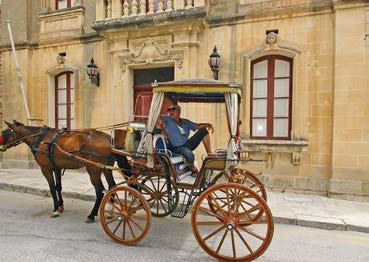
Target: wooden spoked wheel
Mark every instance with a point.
(245, 178)
(125, 215)
(232, 233)
(156, 194)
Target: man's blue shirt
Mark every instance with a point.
(178, 134)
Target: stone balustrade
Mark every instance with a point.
(114, 9)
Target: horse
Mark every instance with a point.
(55, 150)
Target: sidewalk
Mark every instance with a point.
(287, 208)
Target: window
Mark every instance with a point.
(271, 93)
(64, 100)
(61, 4)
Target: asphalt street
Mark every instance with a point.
(28, 234)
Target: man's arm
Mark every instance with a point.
(206, 125)
(161, 123)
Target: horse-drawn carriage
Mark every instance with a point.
(230, 217)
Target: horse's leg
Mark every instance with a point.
(48, 174)
(124, 165)
(58, 185)
(95, 177)
(108, 173)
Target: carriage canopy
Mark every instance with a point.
(195, 90)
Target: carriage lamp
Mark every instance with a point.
(93, 72)
(214, 62)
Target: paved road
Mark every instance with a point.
(28, 234)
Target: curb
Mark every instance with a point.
(338, 224)
(313, 223)
(45, 192)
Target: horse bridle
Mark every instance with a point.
(6, 134)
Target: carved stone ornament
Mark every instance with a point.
(126, 59)
(150, 52)
(60, 60)
(296, 158)
(177, 56)
(271, 38)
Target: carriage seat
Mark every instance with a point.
(161, 146)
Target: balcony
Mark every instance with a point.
(64, 23)
(125, 13)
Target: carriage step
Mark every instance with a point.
(180, 211)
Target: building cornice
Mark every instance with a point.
(86, 38)
(348, 4)
(148, 20)
(26, 44)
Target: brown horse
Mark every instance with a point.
(49, 146)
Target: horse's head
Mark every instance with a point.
(9, 137)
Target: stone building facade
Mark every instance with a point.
(303, 65)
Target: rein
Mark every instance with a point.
(112, 126)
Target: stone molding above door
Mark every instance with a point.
(151, 50)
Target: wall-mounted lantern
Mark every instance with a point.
(93, 72)
(214, 62)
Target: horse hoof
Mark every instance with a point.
(61, 209)
(89, 220)
(54, 214)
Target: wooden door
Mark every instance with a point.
(143, 91)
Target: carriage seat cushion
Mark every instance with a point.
(178, 161)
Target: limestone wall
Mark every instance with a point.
(350, 169)
(327, 40)
(19, 20)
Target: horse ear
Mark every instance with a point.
(8, 124)
(17, 123)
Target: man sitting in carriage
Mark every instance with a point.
(177, 131)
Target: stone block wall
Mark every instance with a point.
(327, 40)
(350, 149)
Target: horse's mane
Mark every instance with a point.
(35, 129)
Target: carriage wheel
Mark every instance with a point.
(156, 194)
(243, 177)
(232, 233)
(125, 215)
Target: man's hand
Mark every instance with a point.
(210, 127)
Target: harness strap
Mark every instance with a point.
(37, 140)
(51, 145)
